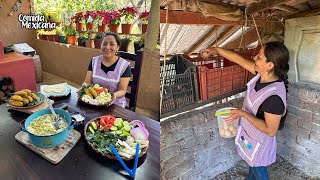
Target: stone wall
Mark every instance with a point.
(299, 142)
(191, 147)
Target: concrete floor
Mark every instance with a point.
(281, 170)
(49, 79)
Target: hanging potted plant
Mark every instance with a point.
(127, 14)
(72, 35)
(89, 42)
(102, 20)
(79, 20)
(143, 18)
(90, 17)
(98, 40)
(115, 21)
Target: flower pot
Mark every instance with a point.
(126, 28)
(89, 43)
(63, 39)
(97, 43)
(79, 26)
(72, 40)
(144, 28)
(89, 26)
(43, 37)
(124, 45)
(102, 28)
(137, 47)
(81, 42)
(113, 28)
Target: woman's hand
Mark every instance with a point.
(234, 114)
(112, 101)
(206, 53)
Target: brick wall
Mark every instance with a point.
(191, 147)
(299, 142)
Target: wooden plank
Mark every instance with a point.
(287, 8)
(313, 12)
(226, 33)
(203, 39)
(54, 154)
(181, 17)
(201, 103)
(294, 2)
(264, 4)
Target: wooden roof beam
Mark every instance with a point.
(287, 8)
(313, 12)
(265, 4)
(226, 33)
(248, 38)
(181, 17)
(212, 32)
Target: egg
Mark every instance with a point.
(225, 127)
(205, 55)
(222, 132)
(234, 132)
(227, 133)
(231, 128)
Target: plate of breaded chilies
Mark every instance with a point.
(25, 99)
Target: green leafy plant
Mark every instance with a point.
(99, 35)
(128, 14)
(69, 31)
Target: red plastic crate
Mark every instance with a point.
(218, 76)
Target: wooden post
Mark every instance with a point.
(148, 97)
(1, 51)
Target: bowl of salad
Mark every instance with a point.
(95, 95)
(124, 135)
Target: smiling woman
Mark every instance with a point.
(264, 107)
(110, 70)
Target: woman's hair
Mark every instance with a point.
(278, 54)
(115, 35)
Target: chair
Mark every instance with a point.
(134, 82)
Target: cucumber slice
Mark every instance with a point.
(125, 123)
(126, 133)
(119, 132)
(127, 128)
(118, 122)
(91, 130)
(93, 125)
(113, 128)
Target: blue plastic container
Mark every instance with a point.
(52, 140)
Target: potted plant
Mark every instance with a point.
(143, 18)
(79, 20)
(127, 14)
(125, 41)
(72, 35)
(83, 36)
(98, 40)
(139, 44)
(103, 19)
(115, 21)
(61, 32)
(89, 42)
(90, 17)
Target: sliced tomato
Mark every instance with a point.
(102, 121)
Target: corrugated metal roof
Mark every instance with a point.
(180, 38)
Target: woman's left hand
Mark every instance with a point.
(234, 114)
(111, 102)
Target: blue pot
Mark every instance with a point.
(52, 140)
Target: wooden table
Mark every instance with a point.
(18, 162)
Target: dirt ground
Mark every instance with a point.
(282, 169)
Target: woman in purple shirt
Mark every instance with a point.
(264, 106)
(110, 70)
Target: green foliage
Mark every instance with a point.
(69, 31)
(99, 35)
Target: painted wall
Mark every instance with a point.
(66, 61)
(10, 31)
